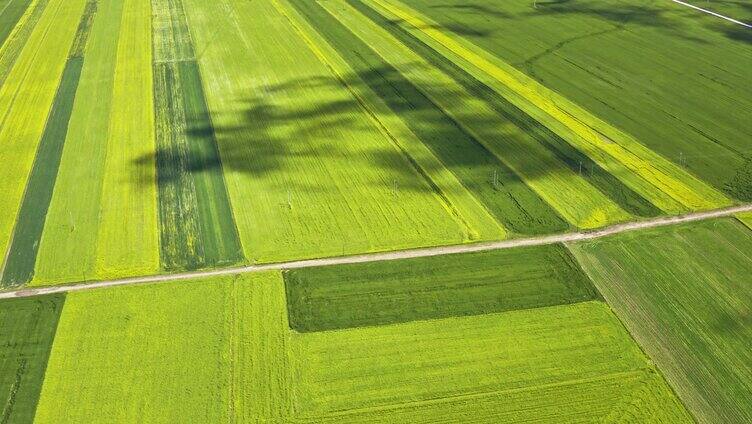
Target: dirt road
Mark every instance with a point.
(388, 256)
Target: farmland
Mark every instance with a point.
(690, 313)
(354, 127)
(375, 211)
(27, 329)
(233, 355)
(435, 287)
(618, 58)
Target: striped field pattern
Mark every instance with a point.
(155, 138)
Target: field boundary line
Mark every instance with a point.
(394, 255)
(710, 12)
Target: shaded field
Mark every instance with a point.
(197, 228)
(577, 201)
(666, 184)
(619, 59)
(684, 294)
(308, 173)
(492, 182)
(573, 158)
(27, 329)
(378, 293)
(741, 10)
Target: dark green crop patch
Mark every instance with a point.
(380, 293)
(10, 13)
(197, 226)
(27, 329)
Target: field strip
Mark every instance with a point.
(401, 254)
(710, 12)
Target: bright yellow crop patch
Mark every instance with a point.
(746, 219)
(139, 354)
(128, 238)
(209, 351)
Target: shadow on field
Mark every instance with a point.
(455, 28)
(643, 15)
(661, 17)
(733, 32)
(474, 9)
(316, 119)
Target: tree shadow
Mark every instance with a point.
(284, 130)
(646, 16)
(733, 31)
(452, 27)
(272, 128)
(474, 9)
(482, 138)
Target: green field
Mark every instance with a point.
(375, 211)
(27, 330)
(421, 369)
(379, 293)
(684, 294)
(221, 349)
(620, 60)
(255, 132)
(735, 9)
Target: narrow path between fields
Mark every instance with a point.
(710, 12)
(389, 256)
